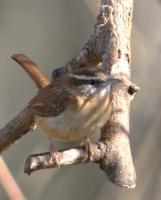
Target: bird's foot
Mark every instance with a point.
(54, 156)
(88, 148)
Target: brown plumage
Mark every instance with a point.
(71, 107)
(55, 97)
(39, 78)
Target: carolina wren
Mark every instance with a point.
(74, 106)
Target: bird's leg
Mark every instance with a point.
(54, 154)
(88, 148)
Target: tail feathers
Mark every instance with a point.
(38, 77)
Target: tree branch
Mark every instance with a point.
(70, 156)
(24, 121)
(7, 181)
(87, 57)
(108, 155)
(15, 129)
(112, 46)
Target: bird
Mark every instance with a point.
(73, 106)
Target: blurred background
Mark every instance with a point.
(51, 32)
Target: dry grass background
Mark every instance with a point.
(51, 32)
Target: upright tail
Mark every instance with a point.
(39, 78)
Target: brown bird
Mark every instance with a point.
(72, 107)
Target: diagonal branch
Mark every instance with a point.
(87, 57)
(15, 129)
(7, 181)
(24, 121)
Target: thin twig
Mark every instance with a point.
(68, 156)
(11, 187)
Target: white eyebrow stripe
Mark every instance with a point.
(84, 77)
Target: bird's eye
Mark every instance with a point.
(95, 81)
(92, 81)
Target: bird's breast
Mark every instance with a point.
(80, 121)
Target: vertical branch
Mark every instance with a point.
(113, 38)
(118, 162)
(113, 35)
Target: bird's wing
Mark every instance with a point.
(50, 101)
